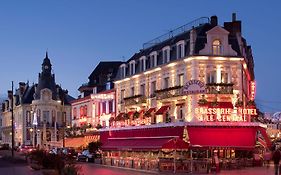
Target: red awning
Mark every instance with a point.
(150, 110)
(221, 105)
(237, 138)
(141, 143)
(131, 113)
(265, 136)
(162, 110)
(74, 142)
(177, 144)
(119, 116)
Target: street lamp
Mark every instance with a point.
(35, 123)
(12, 111)
(64, 121)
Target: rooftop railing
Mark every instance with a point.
(177, 31)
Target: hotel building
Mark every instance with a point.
(191, 88)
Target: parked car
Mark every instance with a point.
(4, 147)
(25, 149)
(85, 156)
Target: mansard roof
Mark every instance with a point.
(105, 67)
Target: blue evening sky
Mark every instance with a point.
(80, 33)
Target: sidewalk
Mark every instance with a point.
(243, 171)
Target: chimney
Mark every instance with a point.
(193, 37)
(234, 27)
(22, 87)
(233, 17)
(10, 94)
(214, 20)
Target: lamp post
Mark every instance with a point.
(12, 110)
(63, 120)
(35, 123)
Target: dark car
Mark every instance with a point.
(4, 147)
(85, 156)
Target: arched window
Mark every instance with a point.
(217, 47)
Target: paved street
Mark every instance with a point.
(89, 169)
(7, 168)
(21, 168)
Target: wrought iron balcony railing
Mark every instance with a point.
(136, 99)
(168, 92)
(219, 88)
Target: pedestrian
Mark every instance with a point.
(276, 159)
(267, 158)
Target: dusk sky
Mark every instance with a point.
(80, 34)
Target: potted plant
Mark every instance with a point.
(251, 103)
(202, 101)
(239, 104)
(136, 115)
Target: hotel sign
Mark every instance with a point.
(194, 87)
(224, 114)
(136, 122)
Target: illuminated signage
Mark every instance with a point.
(224, 114)
(136, 122)
(252, 90)
(194, 87)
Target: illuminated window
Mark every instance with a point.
(224, 77)
(180, 79)
(211, 77)
(85, 110)
(122, 94)
(217, 47)
(166, 83)
(153, 87)
(142, 89)
(180, 112)
(132, 91)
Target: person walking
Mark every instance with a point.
(276, 159)
(267, 158)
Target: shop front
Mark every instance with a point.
(182, 146)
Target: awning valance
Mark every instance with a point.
(237, 138)
(162, 110)
(74, 142)
(144, 143)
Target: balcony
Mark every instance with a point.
(136, 99)
(168, 92)
(219, 88)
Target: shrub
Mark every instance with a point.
(71, 170)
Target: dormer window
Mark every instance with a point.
(123, 70)
(142, 63)
(166, 54)
(132, 67)
(217, 47)
(180, 49)
(153, 59)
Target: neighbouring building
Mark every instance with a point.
(41, 111)
(96, 104)
(191, 89)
